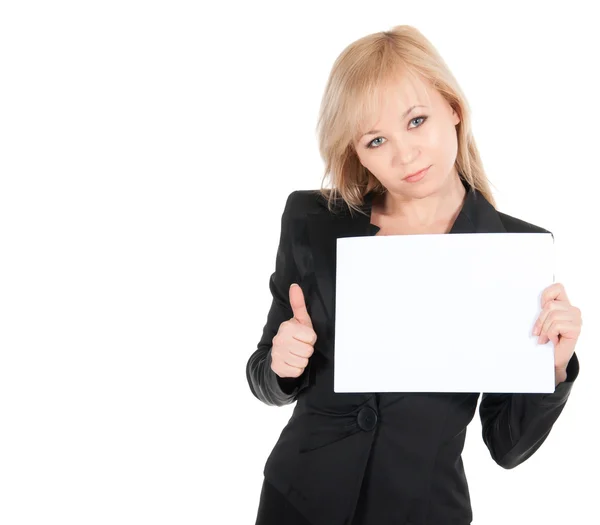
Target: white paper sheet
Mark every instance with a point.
(442, 313)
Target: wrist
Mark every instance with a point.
(560, 374)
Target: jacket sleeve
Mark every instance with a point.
(514, 426)
(264, 383)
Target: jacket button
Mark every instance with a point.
(367, 418)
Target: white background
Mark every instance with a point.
(146, 152)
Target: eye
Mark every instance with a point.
(370, 145)
(421, 117)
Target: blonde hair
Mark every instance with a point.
(354, 89)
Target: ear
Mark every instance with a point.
(455, 117)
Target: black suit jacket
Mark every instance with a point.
(406, 447)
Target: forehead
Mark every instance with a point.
(406, 88)
(400, 92)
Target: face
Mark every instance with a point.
(401, 144)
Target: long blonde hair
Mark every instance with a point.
(352, 95)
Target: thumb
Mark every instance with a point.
(299, 306)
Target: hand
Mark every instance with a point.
(294, 342)
(559, 322)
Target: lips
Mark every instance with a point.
(415, 177)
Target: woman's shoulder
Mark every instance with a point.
(301, 202)
(515, 225)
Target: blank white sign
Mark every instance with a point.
(442, 313)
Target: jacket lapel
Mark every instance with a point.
(477, 215)
(324, 228)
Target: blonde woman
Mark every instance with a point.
(395, 135)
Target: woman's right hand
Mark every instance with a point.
(294, 342)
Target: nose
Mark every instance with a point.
(405, 152)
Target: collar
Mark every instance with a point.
(477, 215)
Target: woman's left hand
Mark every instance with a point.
(559, 322)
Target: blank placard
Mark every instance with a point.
(442, 313)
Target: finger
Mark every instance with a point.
(296, 361)
(567, 331)
(289, 371)
(306, 335)
(301, 348)
(299, 306)
(553, 333)
(553, 317)
(289, 359)
(551, 306)
(555, 291)
(296, 338)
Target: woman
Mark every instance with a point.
(396, 139)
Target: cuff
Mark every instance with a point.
(563, 389)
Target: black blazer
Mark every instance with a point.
(406, 447)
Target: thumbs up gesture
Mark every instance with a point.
(294, 342)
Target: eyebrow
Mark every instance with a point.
(374, 131)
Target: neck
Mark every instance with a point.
(426, 211)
